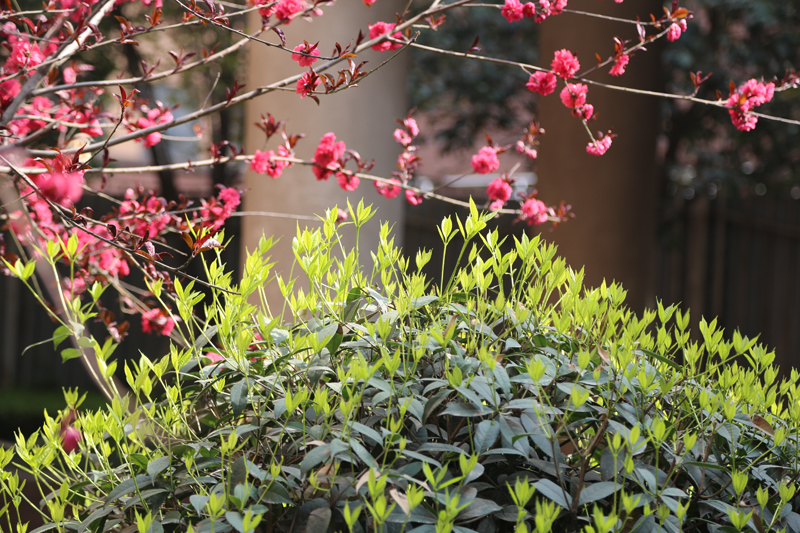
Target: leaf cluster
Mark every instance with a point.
(507, 397)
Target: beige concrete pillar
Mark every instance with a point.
(363, 117)
(613, 196)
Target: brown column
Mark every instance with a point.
(363, 117)
(614, 197)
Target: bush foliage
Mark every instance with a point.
(503, 397)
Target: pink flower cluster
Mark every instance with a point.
(601, 145)
(265, 163)
(219, 209)
(326, 157)
(306, 60)
(534, 211)
(574, 97)
(384, 28)
(514, 10)
(61, 185)
(485, 161)
(543, 83)
(70, 436)
(146, 219)
(307, 83)
(565, 64)
(157, 321)
(390, 188)
(153, 117)
(675, 30)
(618, 69)
(285, 10)
(750, 94)
(499, 192)
(407, 162)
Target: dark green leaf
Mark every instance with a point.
(239, 397)
(128, 486)
(597, 491)
(485, 435)
(157, 466)
(550, 490)
(318, 520)
(205, 337)
(435, 401)
(198, 502)
(315, 457)
(466, 409)
(236, 520)
(478, 508)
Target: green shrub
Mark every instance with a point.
(513, 399)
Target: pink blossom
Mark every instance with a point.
(499, 189)
(512, 10)
(286, 10)
(558, 6)
(384, 28)
(61, 186)
(574, 95)
(485, 161)
(157, 321)
(24, 55)
(369, 2)
(264, 163)
(266, 12)
(151, 139)
(402, 137)
(412, 126)
(347, 181)
(544, 11)
(216, 211)
(390, 189)
(93, 129)
(153, 117)
(146, 219)
(619, 65)
(534, 211)
(8, 90)
(70, 76)
(497, 205)
(307, 83)
(674, 32)
(113, 262)
(414, 198)
(543, 83)
(529, 10)
(750, 94)
(261, 161)
(306, 60)
(529, 152)
(213, 357)
(565, 64)
(73, 287)
(599, 147)
(327, 155)
(70, 437)
(586, 111)
(10, 32)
